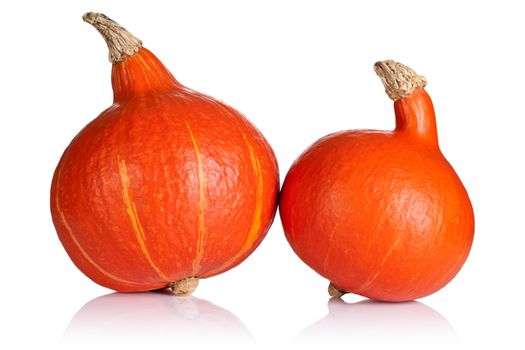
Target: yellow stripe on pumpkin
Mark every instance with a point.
(133, 216)
(201, 227)
(86, 256)
(253, 232)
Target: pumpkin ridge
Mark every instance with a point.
(252, 234)
(201, 232)
(251, 237)
(77, 243)
(145, 67)
(134, 220)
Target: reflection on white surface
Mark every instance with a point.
(396, 325)
(149, 319)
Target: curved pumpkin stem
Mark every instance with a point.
(399, 80)
(121, 43)
(136, 71)
(414, 110)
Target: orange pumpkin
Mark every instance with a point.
(166, 186)
(381, 213)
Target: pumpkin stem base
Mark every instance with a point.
(334, 292)
(184, 287)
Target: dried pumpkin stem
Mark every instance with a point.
(185, 286)
(399, 80)
(121, 43)
(334, 292)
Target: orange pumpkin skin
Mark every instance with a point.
(165, 184)
(380, 213)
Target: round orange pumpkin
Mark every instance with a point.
(381, 213)
(166, 186)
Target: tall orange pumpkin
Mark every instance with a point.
(381, 213)
(166, 186)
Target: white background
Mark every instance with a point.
(298, 70)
